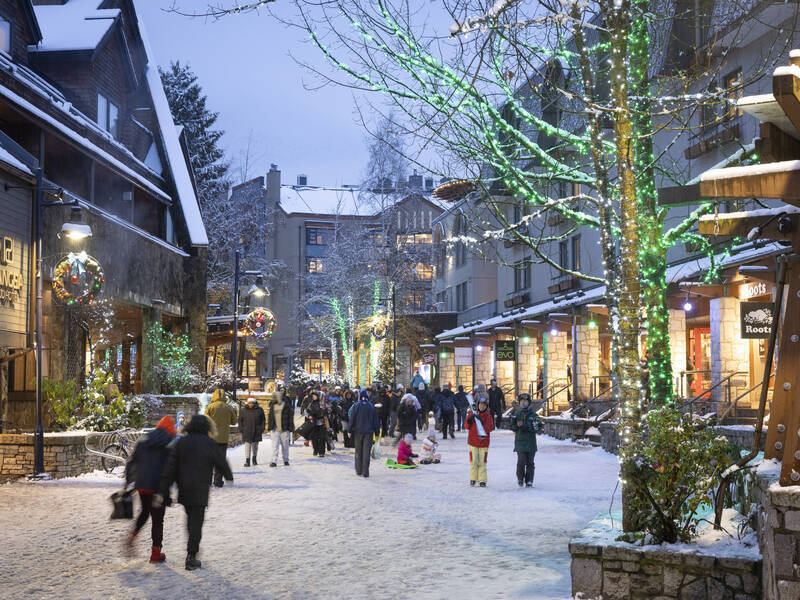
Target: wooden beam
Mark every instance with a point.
(774, 145)
(774, 180)
(786, 89)
(679, 195)
(741, 226)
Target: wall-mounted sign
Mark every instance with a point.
(751, 290)
(505, 350)
(463, 356)
(756, 319)
(428, 359)
(10, 274)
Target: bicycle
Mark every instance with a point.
(121, 448)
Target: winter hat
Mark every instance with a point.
(167, 424)
(421, 386)
(179, 415)
(408, 438)
(461, 388)
(251, 400)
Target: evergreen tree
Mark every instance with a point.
(189, 109)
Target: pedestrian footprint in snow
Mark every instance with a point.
(526, 424)
(480, 426)
(144, 469)
(190, 465)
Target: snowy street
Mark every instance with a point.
(316, 530)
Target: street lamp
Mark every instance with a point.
(258, 290)
(75, 229)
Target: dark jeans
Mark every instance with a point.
(497, 417)
(318, 439)
(384, 424)
(525, 466)
(447, 424)
(217, 473)
(363, 442)
(195, 515)
(347, 439)
(460, 416)
(157, 516)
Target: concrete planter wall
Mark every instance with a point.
(739, 436)
(564, 428)
(603, 568)
(64, 455)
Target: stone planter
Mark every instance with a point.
(65, 455)
(564, 428)
(604, 568)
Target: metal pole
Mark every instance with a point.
(38, 441)
(394, 336)
(235, 325)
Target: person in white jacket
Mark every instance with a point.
(429, 448)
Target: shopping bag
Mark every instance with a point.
(122, 505)
(376, 448)
(305, 430)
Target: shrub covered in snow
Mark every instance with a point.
(174, 372)
(676, 470)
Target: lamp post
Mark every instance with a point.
(258, 290)
(75, 229)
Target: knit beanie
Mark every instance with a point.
(167, 424)
(408, 438)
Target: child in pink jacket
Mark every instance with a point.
(404, 451)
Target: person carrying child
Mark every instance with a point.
(404, 451)
(429, 448)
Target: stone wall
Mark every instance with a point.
(739, 436)
(779, 536)
(588, 355)
(171, 405)
(609, 437)
(729, 353)
(556, 359)
(64, 455)
(528, 367)
(484, 369)
(677, 344)
(447, 368)
(564, 429)
(603, 568)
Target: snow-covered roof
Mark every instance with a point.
(324, 201)
(12, 161)
(675, 274)
(76, 25)
(172, 147)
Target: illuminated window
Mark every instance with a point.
(5, 35)
(414, 300)
(414, 239)
(318, 237)
(424, 271)
(317, 366)
(313, 265)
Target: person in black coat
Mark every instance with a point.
(424, 400)
(347, 403)
(497, 403)
(190, 464)
(143, 470)
(407, 415)
(462, 404)
(319, 418)
(251, 425)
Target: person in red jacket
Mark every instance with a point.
(404, 451)
(480, 425)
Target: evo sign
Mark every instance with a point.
(756, 319)
(505, 350)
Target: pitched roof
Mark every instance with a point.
(324, 201)
(76, 25)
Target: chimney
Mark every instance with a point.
(273, 185)
(428, 184)
(302, 180)
(415, 181)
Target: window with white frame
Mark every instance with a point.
(108, 115)
(5, 35)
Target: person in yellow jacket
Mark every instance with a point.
(223, 417)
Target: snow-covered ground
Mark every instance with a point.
(316, 530)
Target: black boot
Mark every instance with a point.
(255, 462)
(246, 462)
(192, 563)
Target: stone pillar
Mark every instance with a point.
(484, 368)
(677, 344)
(403, 365)
(447, 368)
(729, 352)
(528, 368)
(588, 355)
(556, 358)
(150, 316)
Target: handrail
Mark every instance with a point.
(546, 401)
(682, 376)
(713, 387)
(578, 407)
(731, 405)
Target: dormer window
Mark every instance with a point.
(108, 115)
(5, 35)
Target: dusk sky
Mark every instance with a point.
(244, 67)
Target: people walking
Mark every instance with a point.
(190, 465)
(497, 403)
(251, 425)
(480, 426)
(526, 424)
(364, 425)
(424, 400)
(446, 411)
(280, 424)
(462, 404)
(144, 469)
(223, 416)
(416, 380)
(319, 418)
(394, 407)
(347, 403)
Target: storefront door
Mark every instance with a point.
(699, 376)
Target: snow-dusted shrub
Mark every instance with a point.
(172, 369)
(221, 378)
(676, 470)
(142, 408)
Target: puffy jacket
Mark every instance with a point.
(407, 418)
(473, 439)
(460, 400)
(525, 434)
(364, 417)
(252, 423)
(317, 413)
(222, 415)
(347, 403)
(146, 464)
(287, 416)
(394, 402)
(424, 400)
(497, 400)
(446, 402)
(190, 464)
(404, 453)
